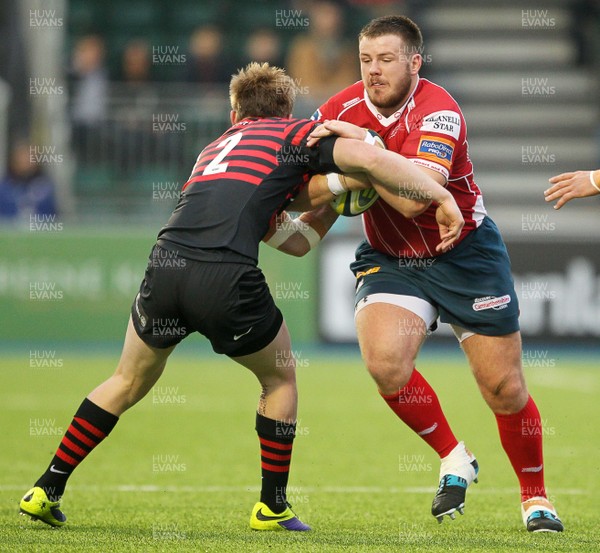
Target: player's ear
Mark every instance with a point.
(233, 116)
(415, 63)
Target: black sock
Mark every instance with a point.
(90, 425)
(276, 439)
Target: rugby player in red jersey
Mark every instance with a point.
(203, 276)
(403, 284)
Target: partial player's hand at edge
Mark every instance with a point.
(568, 186)
(450, 222)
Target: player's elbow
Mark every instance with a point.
(414, 209)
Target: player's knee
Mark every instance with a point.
(509, 393)
(286, 375)
(389, 370)
(283, 371)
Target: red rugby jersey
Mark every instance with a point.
(430, 130)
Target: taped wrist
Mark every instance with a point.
(335, 185)
(289, 227)
(593, 181)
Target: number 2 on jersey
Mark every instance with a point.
(217, 165)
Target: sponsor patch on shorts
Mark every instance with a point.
(140, 312)
(491, 302)
(436, 149)
(368, 272)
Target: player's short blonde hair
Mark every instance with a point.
(260, 90)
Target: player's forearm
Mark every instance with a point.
(408, 208)
(321, 219)
(318, 193)
(391, 170)
(315, 194)
(298, 236)
(399, 175)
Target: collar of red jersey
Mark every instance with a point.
(387, 121)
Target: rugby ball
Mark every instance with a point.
(355, 202)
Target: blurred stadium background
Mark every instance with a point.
(105, 106)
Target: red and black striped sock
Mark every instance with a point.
(276, 440)
(90, 425)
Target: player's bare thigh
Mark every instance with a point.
(140, 366)
(496, 365)
(390, 337)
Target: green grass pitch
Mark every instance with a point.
(181, 470)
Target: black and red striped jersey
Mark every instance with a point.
(239, 182)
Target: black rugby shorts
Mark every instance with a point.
(229, 303)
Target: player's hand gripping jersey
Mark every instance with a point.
(429, 130)
(239, 182)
